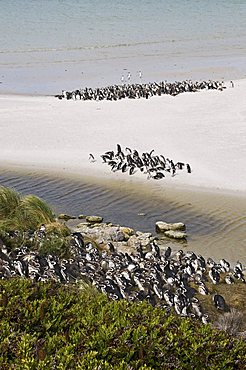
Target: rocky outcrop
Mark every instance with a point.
(175, 230)
(124, 238)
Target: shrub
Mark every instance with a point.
(52, 326)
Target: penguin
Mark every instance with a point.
(188, 168)
(219, 302)
(91, 158)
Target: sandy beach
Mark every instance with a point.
(205, 129)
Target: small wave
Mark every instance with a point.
(90, 47)
(216, 230)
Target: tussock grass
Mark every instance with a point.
(9, 201)
(32, 212)
(22, 213)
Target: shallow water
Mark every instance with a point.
(216, 223)
(68, 44)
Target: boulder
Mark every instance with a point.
(65, 217)
(161, 226)
(127, 230)
(175, 234)
(94, 219)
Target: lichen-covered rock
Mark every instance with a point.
(65, 217)
(161, 226)
(94, 219)
(127, 230)
(81, 217)
(175, 234)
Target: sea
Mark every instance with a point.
(50, 45)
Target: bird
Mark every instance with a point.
(214, 275)
(188, 168)
(219, 302)
(91, 158)
(229, 279)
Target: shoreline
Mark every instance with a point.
(90, 177)
(215, 221)
(50, 79)
(205, 129)
(225, 81)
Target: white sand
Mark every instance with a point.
(206, 129)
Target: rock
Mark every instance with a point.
(175, 234)
(120, 237)
(161, 226)
(65, 217)
(133, 242)
(127, 230)
(143, 235)
(81, 217)
(94, 219)
(82, 226)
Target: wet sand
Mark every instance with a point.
(215, 222)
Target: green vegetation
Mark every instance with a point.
(26, 214)
(234, 296)
(52, 326)
(22, 213)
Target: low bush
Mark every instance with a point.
(53, 326)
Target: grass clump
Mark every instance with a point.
(32, 212)
(21, 217)
(22, 213)
(9, 201)
(52, 326)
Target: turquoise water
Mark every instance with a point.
(53, 44)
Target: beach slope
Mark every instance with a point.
(206, 129)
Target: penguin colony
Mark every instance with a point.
(130, 161)
(172, 280)
(136, 91)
